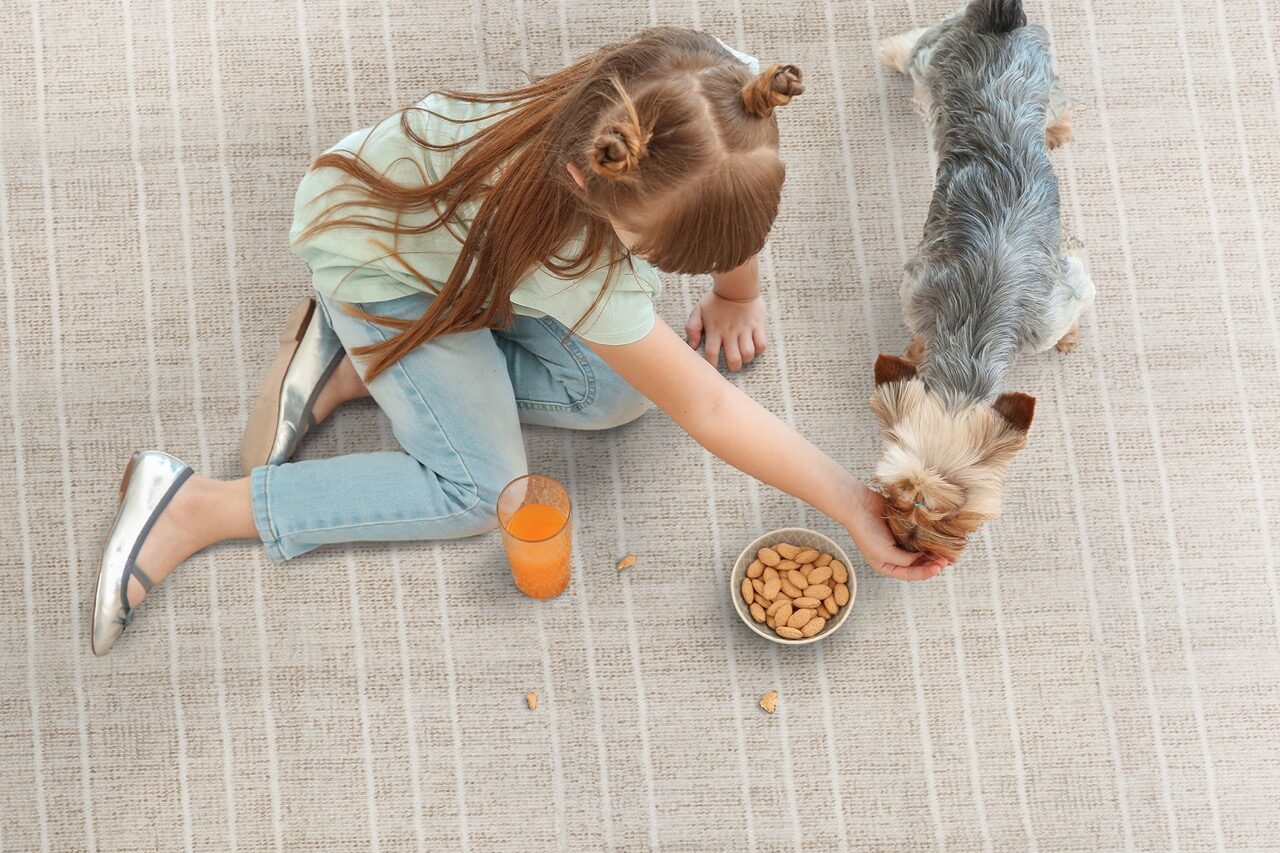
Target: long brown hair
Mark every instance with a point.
(676, 140)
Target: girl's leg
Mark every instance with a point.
(560, 382)
(201, 513)
(453, 411)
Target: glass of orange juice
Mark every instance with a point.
(534, 513)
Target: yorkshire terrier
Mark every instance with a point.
(989, 278)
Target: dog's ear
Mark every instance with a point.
(890, 368)
(1016, 408)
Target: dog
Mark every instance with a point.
(988, 280)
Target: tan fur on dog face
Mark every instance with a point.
(943, 469)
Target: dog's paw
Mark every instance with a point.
(1069, 341)
(1060, 132)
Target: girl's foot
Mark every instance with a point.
(343, 386)
(309, 355)
(165, 515)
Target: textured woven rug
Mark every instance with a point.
(1101, 672)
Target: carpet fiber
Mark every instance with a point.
(1099, 673)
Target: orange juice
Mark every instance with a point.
(538, 542)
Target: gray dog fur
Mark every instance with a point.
(989, 278)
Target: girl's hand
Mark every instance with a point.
(737, 326)
(871, 534)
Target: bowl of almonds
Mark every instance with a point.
(793, 586)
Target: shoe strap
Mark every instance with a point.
(136, 571)
(131, 566)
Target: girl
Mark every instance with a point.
(487, 260)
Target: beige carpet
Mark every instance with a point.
(1101, 672)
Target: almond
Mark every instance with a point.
(841, 594)
(805, 601)
(830, 606)
(532, 699)
(783, 613)
(757, 585)
(839, 572)
(771, 589)
(820, 574)
(823, 560)
(755, 569)
(769, 575)
(786, 566)
(764, 602)
(748, 591)
(768, 556)
(787, 551)
(769, 621)
(797, 579)
(791, 589)
(757, 612)
(813, 626)
(778, 603)
(808, 555)
(788, 632)
(627, 562)
(817, 591)
(800, 618)
(769, 701)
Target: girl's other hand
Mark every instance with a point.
(871, 534)
(735, 326)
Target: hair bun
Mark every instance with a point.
(775, 86)
(617, 150)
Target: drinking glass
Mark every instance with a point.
(535, 515)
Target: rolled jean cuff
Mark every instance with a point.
(259, 483)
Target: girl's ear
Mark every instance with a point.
(578, 177)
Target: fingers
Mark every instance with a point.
(732, 356)
(759, 339)
(712, 352)
(693, 328)
(747, 346)
(895, 556)
(921, 572)
(908, 565)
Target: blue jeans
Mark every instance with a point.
(456, 405)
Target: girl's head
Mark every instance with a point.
(673, 141)
(665, 145)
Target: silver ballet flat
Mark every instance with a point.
(150, 482)
(309, 353)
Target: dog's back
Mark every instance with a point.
(980, 286)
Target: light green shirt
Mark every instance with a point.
(349, 263)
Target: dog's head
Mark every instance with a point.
(943, 469)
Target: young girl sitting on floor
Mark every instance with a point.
(486, 260)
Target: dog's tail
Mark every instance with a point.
(997, 16)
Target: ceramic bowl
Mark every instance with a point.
(803, 538)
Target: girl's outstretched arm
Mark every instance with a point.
(746, 435)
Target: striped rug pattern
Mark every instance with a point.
(1101, 671)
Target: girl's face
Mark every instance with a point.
(625, 237)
